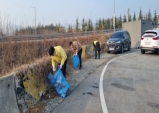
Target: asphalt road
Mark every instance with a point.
(130, 85)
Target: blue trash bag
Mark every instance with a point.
(59, 82)
(76, 61)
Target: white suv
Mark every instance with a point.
(150, 41)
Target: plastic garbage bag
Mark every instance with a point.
(59, 82)
(76, 61)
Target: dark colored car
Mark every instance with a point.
(119, 41)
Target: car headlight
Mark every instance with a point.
(118, 41)
(107, 42)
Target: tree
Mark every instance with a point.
(107, 23)
(38, 28)
(77, 25)
(124, 18)
(145, 17)
(86, 26)
(134, 17)
(129, 19)
(149, 17)
(60, 28)
(100, 24)
(155, 16)
(120, 22)
(97, 25)
(90, 26)
(140, 15)
(70, 28)
(83, 25)
(103, 24)
(116, 22)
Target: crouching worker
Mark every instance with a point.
(97, 49)
(59, 57)
(77, 48)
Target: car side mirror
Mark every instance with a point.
(123, 37)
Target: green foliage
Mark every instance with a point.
(134, 17)
(155, 17)
(130, 19)
(120, 22)
(116, 22)
(83, 25)
(70, 28)
(124, 18)
(90, 25)
(140, 15)
(77, 25)
(97, 26)
(149, 16)
(108, 25)
(101, 24)
(39, 29)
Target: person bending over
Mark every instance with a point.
(59, 57)
(77, 48)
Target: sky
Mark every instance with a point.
(65, 12)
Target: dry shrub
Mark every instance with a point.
(14, 54)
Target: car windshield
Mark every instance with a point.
(117, 35)
(149, 34)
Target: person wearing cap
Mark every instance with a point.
(97, 49)
(59, 57)
(77, 48)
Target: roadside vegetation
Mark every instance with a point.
(16, 53)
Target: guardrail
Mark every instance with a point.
(53, 35)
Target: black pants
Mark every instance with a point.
(79, 55)
(64, 68)
(97, 52)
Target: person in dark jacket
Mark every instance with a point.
(97, 49)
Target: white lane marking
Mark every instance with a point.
(102, 98)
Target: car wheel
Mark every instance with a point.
(142, 51)
(108, 51)
(155, 52)
(129, 47)
(122, 49)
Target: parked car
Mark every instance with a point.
(150, 41)
(119, 41)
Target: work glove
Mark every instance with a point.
(75, 54)
(60, 66)
(53, 68)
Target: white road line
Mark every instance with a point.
(102, 98)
